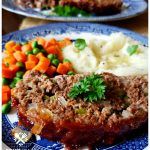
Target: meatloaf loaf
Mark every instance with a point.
(45, 108)
(94, 6)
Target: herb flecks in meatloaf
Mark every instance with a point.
(44, 106)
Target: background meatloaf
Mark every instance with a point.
(44, 107)
(95, 6)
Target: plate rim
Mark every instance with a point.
(77, 19)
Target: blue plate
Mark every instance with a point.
(139, 142)
(133, 8)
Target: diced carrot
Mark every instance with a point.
(43, 64)
(13, 92)
(47, 44)
(52, 49)
(20, 56)
(64, 43)
(33, 58)
(41, 41)
(6, 93)
(41, 67)
(62, 69)
(7, 73)
(26, 47)
(60, 55)
(30, 65)
(9, 45)
(51, 42)
(14, 68)
(9, 53)
(68, 65)
(5, 98)
(6, 88)
(45, 60)
(17, 47)
(51, 70)
(10, 60)
(39, 55)
(4, 65)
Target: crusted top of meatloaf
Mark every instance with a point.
(126, 98)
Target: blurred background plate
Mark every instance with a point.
(138, 142)
(133, 8)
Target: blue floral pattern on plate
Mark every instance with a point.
(134, 8)
(10, 121)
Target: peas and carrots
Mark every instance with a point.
(37, 54)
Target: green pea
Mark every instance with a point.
(12, 85)
(55, 62)
(51, 56)
(5, 81)
(20, 64)
(66, 60)
(19, 74)
(7, 64)
(6, 108)
(16, 79)
(35, 44)
(36, 51)
(43, 51)
(14, 82)
(28, 52)
(70, 73)
(40, 46)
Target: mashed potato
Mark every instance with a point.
(109, 54)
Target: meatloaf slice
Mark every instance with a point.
(45, 108)
(95, 6)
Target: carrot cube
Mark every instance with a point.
(51, 70)
(20, 56)
(62, 69)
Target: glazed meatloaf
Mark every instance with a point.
(45, 108)
(94, 6)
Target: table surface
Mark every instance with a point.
(138, 24)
